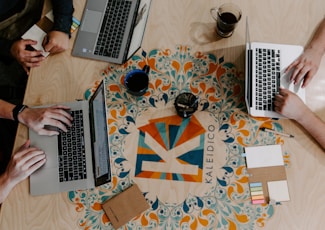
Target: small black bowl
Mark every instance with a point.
(186, 104)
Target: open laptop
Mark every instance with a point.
(111, 30)
(83, 162)
(264, 73)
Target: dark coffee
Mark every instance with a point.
(227, 23)
(228, 18)
(137, 82)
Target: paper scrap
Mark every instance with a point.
(278, 190)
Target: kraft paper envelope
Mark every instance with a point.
(125, 206)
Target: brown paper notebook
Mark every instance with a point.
(267, 175)
(125, 206)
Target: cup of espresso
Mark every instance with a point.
(227, 16)
(137, 81)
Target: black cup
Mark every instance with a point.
(186, 104)
(137, 81)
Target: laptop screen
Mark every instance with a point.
(140, 25)
(100, 136)
(248, 69)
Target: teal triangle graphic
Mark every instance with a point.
(161, 126)
(173, 132)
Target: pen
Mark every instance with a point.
(276, 132)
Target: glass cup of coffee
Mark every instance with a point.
(227, 16)
(137, 81)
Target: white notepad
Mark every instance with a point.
(278, 190)
(264, 156)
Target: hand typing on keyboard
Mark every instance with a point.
(40, 119)
(290, 105)
(24, 162)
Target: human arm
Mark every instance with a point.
(290, 105)
(27, 58)
(23, 163)
(306, 66)
(38, 118)
(11, 50)
(57, 40)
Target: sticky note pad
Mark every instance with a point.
(123, 207)
(278, 190)
(262, 201)
(75, 24)
(257, 194)
(264, 156)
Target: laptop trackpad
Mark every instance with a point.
(91, 21)
(286, 83)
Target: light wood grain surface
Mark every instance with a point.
(188, 22)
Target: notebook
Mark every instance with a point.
(111, 30)
(83, 162)
(264, 73)
(266, 174)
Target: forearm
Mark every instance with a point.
(62, 11)
(318, 40)
(315, 126)
(5, 187)
(6, 110)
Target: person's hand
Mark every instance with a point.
(26, 57)
(21, 165)
(39, 119)
(56, 42)
(289, 104)
(305, 67)
(24, 162)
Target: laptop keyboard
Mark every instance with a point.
(72, 157)
(113, 28)
(267, 77)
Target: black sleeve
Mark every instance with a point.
(5, 46)
(62, 11)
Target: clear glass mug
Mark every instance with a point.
(227, 17)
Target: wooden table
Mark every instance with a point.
(172, 22)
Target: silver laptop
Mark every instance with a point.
(264, 74)
(111, 30)
(78, 159)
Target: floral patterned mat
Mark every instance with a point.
(204, 185)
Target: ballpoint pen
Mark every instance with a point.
(276, 132)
